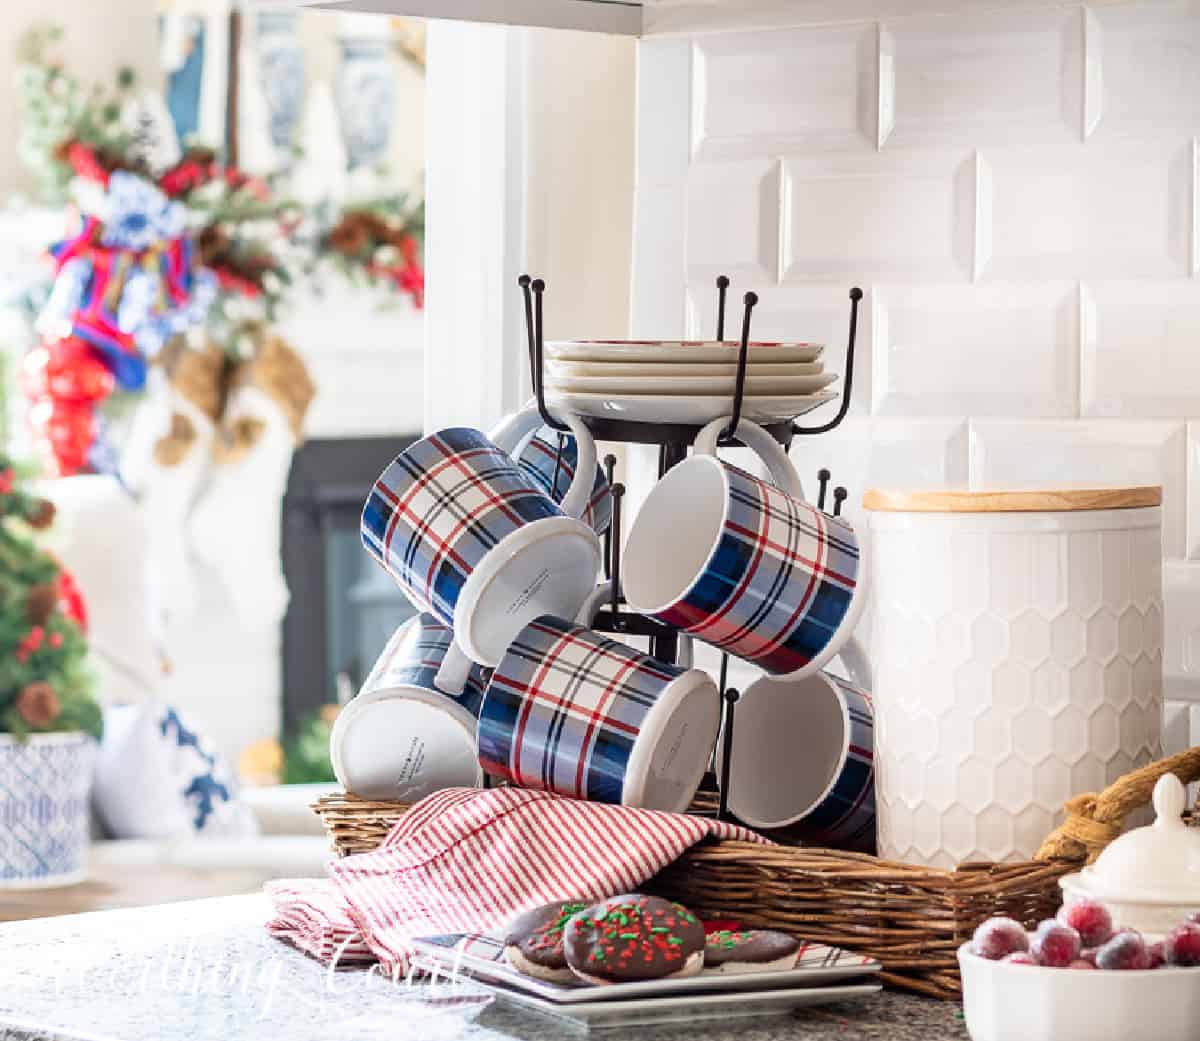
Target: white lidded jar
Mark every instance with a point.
(1017, 651)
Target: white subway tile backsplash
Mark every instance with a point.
(1192, 465)
(733, 220)
(869, 452)
(1141, 349)
(974, 78)
(1087, 211)
(1007, 453)
(659, 278)
(1181, 631)
(1149, 68)
(806, 89)
(812, 314)
(841, 221)
(980, 350)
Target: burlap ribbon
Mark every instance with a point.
(1094, 820)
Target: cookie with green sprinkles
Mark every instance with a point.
(533, 941)
(749, 950)
(634, 937)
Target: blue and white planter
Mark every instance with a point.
(45, 782)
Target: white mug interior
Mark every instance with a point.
(791, 740)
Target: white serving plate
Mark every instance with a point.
(482, 957)
(648, 369)
(694, 411)
(1004, 1002)
(676, 386)
(674, 351)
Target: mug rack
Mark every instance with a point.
(673, 441)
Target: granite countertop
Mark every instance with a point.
(206, 970)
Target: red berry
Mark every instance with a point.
(1088, 956)
(1020, 958)
(1182, 945)
(998, 937)
(1081, 963)
(1054, 944)
(1090, 919)
(1126, 950)
(1156, 955)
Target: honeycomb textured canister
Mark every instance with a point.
(1018, 662)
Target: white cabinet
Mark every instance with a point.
(606, 16)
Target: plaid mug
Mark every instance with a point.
(402, 737)
(749, 568)
(804, 756)
(572, 711)
(473, 541)
(549, 458)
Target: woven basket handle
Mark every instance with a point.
(1093, 821)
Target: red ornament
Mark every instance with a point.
(6, 481)
(70, 599)
(64, 432)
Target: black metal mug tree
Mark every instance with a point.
(673, 440)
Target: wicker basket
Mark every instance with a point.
(911, 918)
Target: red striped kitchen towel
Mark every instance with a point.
(465, 860)
(311, 914)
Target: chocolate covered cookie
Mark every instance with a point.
(750, 950)
(533, 942)
(634, 937)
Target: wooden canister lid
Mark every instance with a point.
(1041, 500)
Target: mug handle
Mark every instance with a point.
(601, 595)
(452, 674)
(857, 664)
(762, 444)
(512, 430)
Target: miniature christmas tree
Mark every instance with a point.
(44, 685)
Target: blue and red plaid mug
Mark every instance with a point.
(572, 711)
(549, 458)
(803, 756)
(745, 566)
(471, 539)
(403, 737)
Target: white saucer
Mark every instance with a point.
(649, 369)
(693, 411)
(675, 386)
(674, 351)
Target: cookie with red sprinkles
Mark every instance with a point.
(749, 950)
(634, 937)
(533, 942)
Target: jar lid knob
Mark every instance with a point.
(1170, 800)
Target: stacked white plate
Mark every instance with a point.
(684, 381)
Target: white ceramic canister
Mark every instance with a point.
(1017, 652)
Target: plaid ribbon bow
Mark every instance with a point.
(464, 860)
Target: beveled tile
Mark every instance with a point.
(1140, 349)
(1087, 211)
(981, 350)
(1049, 454)
(657, 288)
(664, 72)
(792, 90)
(841, 219)
(1181, 631)
(976, 78)
(733, 220)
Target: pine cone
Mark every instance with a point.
(41, 514)
(40, 603)
(38, 705)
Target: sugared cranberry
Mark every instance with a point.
(1088, 956)
(1156, 955)
(1126, 950)
(1182, 945)
(1090, 919)
(1081, 963)
(998, 937)
(1020, 958)
(1054, 944)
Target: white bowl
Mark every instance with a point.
(1007, 1002)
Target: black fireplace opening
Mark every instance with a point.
(343, 606)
